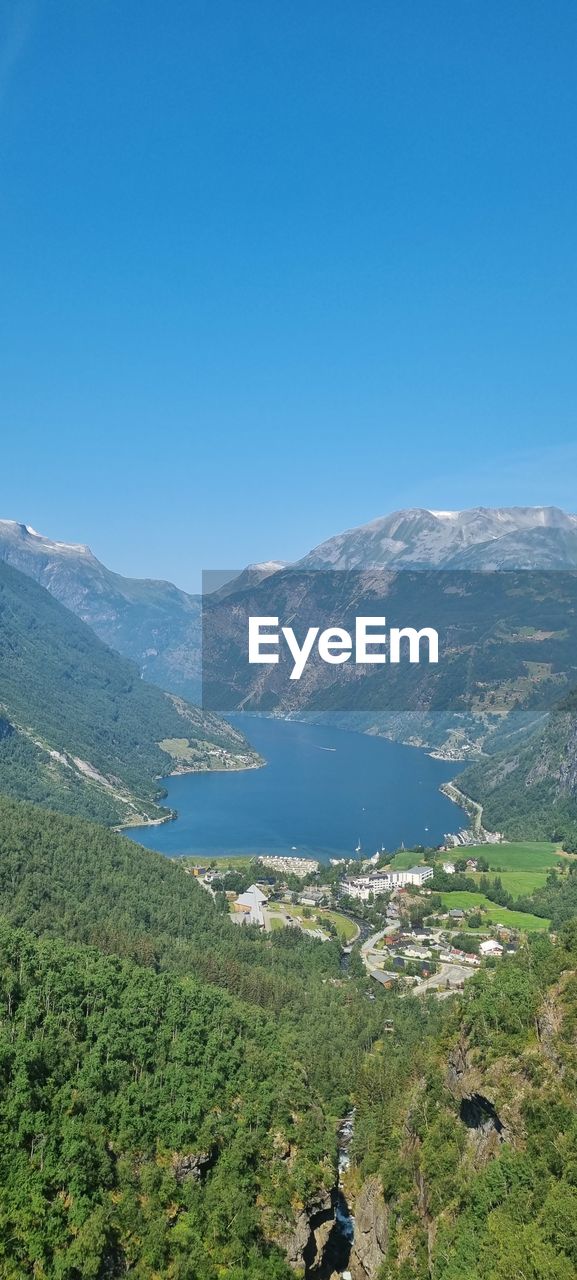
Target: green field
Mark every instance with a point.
(522, 866)
(493, 913)
(406, 858)
(527, 855)
(231, 862)
(517, 883)
(344, 927)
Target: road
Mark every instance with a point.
(373, 960)
(450, 977)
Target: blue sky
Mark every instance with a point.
(271, 270)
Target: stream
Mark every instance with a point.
(342, 1235)
(331, 1257)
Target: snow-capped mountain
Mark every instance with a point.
(480, 538)
(154, 623)
(159, 627)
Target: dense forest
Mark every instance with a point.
(530, 789)
(172, 1085)
(79, 729)
(121, 1089)
(475, 1146)
(63, 877)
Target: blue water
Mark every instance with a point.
(321, 791)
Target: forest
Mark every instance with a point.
(172, 1084)
(79, 729)
(476, 1145)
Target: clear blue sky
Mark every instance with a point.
(269, 270)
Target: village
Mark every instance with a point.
(404, 933)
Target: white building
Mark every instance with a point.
(250, 905)
(359, 888)
(490, 948)
(420, 874)
(300, 867)
(449, 868)
(362, 887)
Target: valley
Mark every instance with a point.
(177, 1077)
(288, 757)
(79, 729)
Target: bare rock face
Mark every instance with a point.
(192, 1166)
(462, 1079)
(371, 1231)
(487, 1129)
(304, 1240)
(322, 1234)
(549, 1022)
(294, 1239)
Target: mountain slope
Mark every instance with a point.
(132, 1115)
(471, 1158)
(508, 637)
(169, 1107)
(480, 538)
(165, 1127)
(142, 1109)
(79, 729)
(159, 626)
(154, 623)
(530, 789)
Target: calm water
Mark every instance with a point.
(321, 791)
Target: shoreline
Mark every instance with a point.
(241, 768)
(255, 760)
(148, 822)
(472, 808)
(172, 814)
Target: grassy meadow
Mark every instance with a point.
(492, 913)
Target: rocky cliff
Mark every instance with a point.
(477, 1156)
(371, 1231)
(531, 788)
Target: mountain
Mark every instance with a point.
(480, 538)
(171, 1083)
(507, 648)
(530, 788)
(469, 1159)
(79, 729)
(159, 626)
(154, 623)
(172, 1086)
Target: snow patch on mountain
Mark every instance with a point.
(25, 534)
(531, 537)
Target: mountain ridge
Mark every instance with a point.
(420, 536)
(149, 620)
(79, 729)
(158, 625)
